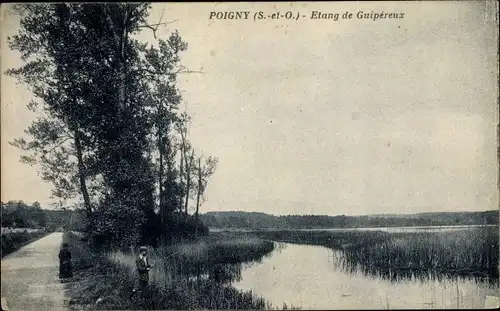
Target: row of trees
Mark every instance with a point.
(18, 214)
(110, 130)
(266, 221)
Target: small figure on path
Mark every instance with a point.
(143, 268)
(65, 267)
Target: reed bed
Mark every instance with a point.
(465, 253)
(473, 251)
(196, 275)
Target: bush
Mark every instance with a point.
(12, 241)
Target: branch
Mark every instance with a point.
(154, 29)
(57, 145)
(157, 72)
(188, 71)
(183, 69)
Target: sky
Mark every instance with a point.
(320, 116)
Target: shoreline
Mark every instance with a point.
(229, 229)
(104, 280)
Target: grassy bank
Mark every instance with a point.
(465, 253)
(186, 276)
(12, 241)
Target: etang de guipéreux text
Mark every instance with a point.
(294, 15)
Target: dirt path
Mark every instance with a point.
(30, 277)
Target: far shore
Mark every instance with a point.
(231, 229)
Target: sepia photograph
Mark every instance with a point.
(339, 155)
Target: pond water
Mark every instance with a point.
(311, 277)
(385, 229)
(406, 229)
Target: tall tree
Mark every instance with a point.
(82, 66)
(205, 168)
(162, 64)
(122, 126)
(47, 43)
(187, 158)
(108, 107)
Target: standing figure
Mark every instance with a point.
(65, 267)
(143, 268)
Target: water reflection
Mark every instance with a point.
(315, 277)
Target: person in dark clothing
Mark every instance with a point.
(143, 268)
(65, 267)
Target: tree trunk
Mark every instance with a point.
(169, 199)
(81, 174)
(161, 152)
(199, 188)
(188, 180)
(181, 171)
(160, 178)
(120, 37)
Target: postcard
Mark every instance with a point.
(250, 155)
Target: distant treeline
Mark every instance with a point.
(18, 214)
(265, 221)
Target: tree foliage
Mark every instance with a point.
(109, 129)
(254, 220)
(17, 214)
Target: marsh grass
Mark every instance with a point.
(186, 276)
(199, 272)
(472, 253)
(198, 275)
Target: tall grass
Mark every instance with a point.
(466, 253)
(197, 275)
(473, 251)
(82, 255)
(185, 276)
